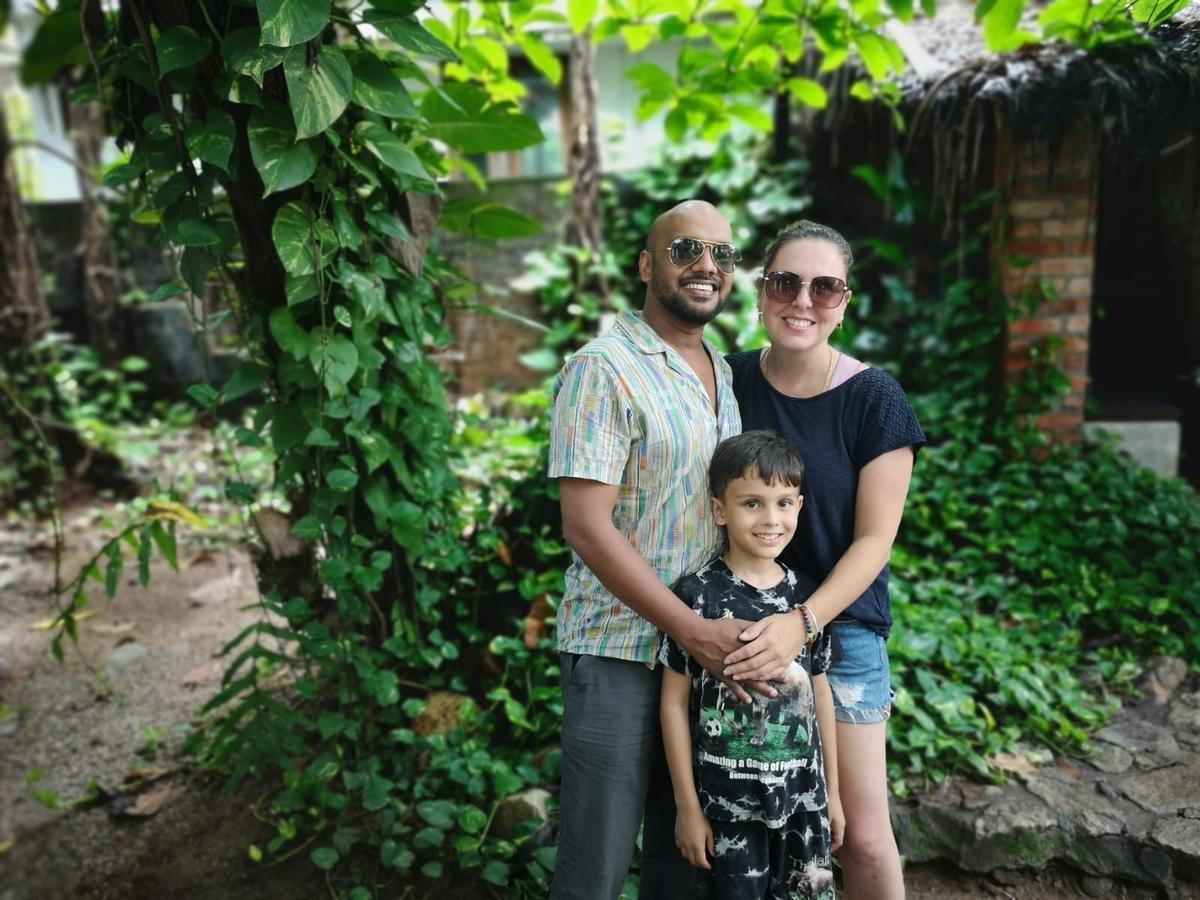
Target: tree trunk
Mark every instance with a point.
(24, 319)
(584, 224)
(101, 273)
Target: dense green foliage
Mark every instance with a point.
(286, 152)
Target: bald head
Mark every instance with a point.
(679, 218)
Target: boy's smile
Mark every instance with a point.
(759, 518)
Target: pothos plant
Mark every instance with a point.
(289, 153)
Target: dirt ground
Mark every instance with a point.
(179, 835)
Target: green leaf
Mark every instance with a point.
(194, 233)
(168, 290)
(334, 358)
(1001, 21)
(464, 117)
(307, 528)
(408, 33)
(293, 339)
(303, 244)
(212, 140)
(391, 151)
(580, 13)
(377, 88)
(543, 58)
(247, 378)
(282, 162)
(243, 54)
(809, 92)
(323, 857)
(319, 437)
(203, 394)
(472, 819)
(318, 91)
(483, 219)
(341, 480)
(121, 175)
(495, 872)
(288, 22)
(179, 47)
(57, 44)
(874, 55)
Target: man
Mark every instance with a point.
(637, 414)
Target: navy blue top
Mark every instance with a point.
(836, 433)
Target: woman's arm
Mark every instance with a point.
(773, 642)
(827, 728)
(693, 835)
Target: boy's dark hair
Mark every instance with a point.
(762, 454)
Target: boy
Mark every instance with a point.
(752, 810)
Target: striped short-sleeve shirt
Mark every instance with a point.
(629, 411)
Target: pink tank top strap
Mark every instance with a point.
(846, 367)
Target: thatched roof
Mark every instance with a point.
(958, 97)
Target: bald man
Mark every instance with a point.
(637, 414)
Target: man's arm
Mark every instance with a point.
(587, 508)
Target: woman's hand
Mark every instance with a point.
(771, 645)
(694, 837)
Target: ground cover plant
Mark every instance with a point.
(289, 156)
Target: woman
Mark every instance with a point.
(858, 437)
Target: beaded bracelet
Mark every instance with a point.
(810, 622)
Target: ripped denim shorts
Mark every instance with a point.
(861, 680)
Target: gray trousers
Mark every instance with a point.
(613, 770)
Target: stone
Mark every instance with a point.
(977, 796)
(1181, 839)
(10, 725)
(1165, 790)
(532, 803)
(1184, 717)
(124, 656)
(1111, 759)
(1138, 736)
(1079, 807)
(1156, 863)
(1096, 886)
(1163, 679)
(1006, 877)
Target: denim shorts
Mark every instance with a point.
(861, 680)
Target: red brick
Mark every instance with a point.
(1078, 324)
(1073, 363)
(1065, 265)
(1036, 209)
(1079, 384)
(1036, 248)
(1066, 228)
(1072, 343)
(1081, 247)
(1078, 290)
(1023, 230)
(1059, 421)
(1079, 206)
(1035, 326)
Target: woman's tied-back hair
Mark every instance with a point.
(804, 230)
(754, 454)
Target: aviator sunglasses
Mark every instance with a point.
(826, 291)
(686, 250)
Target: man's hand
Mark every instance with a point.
(694, 837)
(768, 647)
(712, 642)
(837, 823)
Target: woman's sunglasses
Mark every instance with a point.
(685, 250)
(826, 291)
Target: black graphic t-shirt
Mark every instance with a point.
(758, 761)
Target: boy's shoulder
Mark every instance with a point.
(694, 585)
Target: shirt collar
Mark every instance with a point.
(646, 339)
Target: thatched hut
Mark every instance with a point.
(1094, 158)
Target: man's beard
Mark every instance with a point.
(683, 309)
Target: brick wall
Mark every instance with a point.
(1046, 261)
(487, 347)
